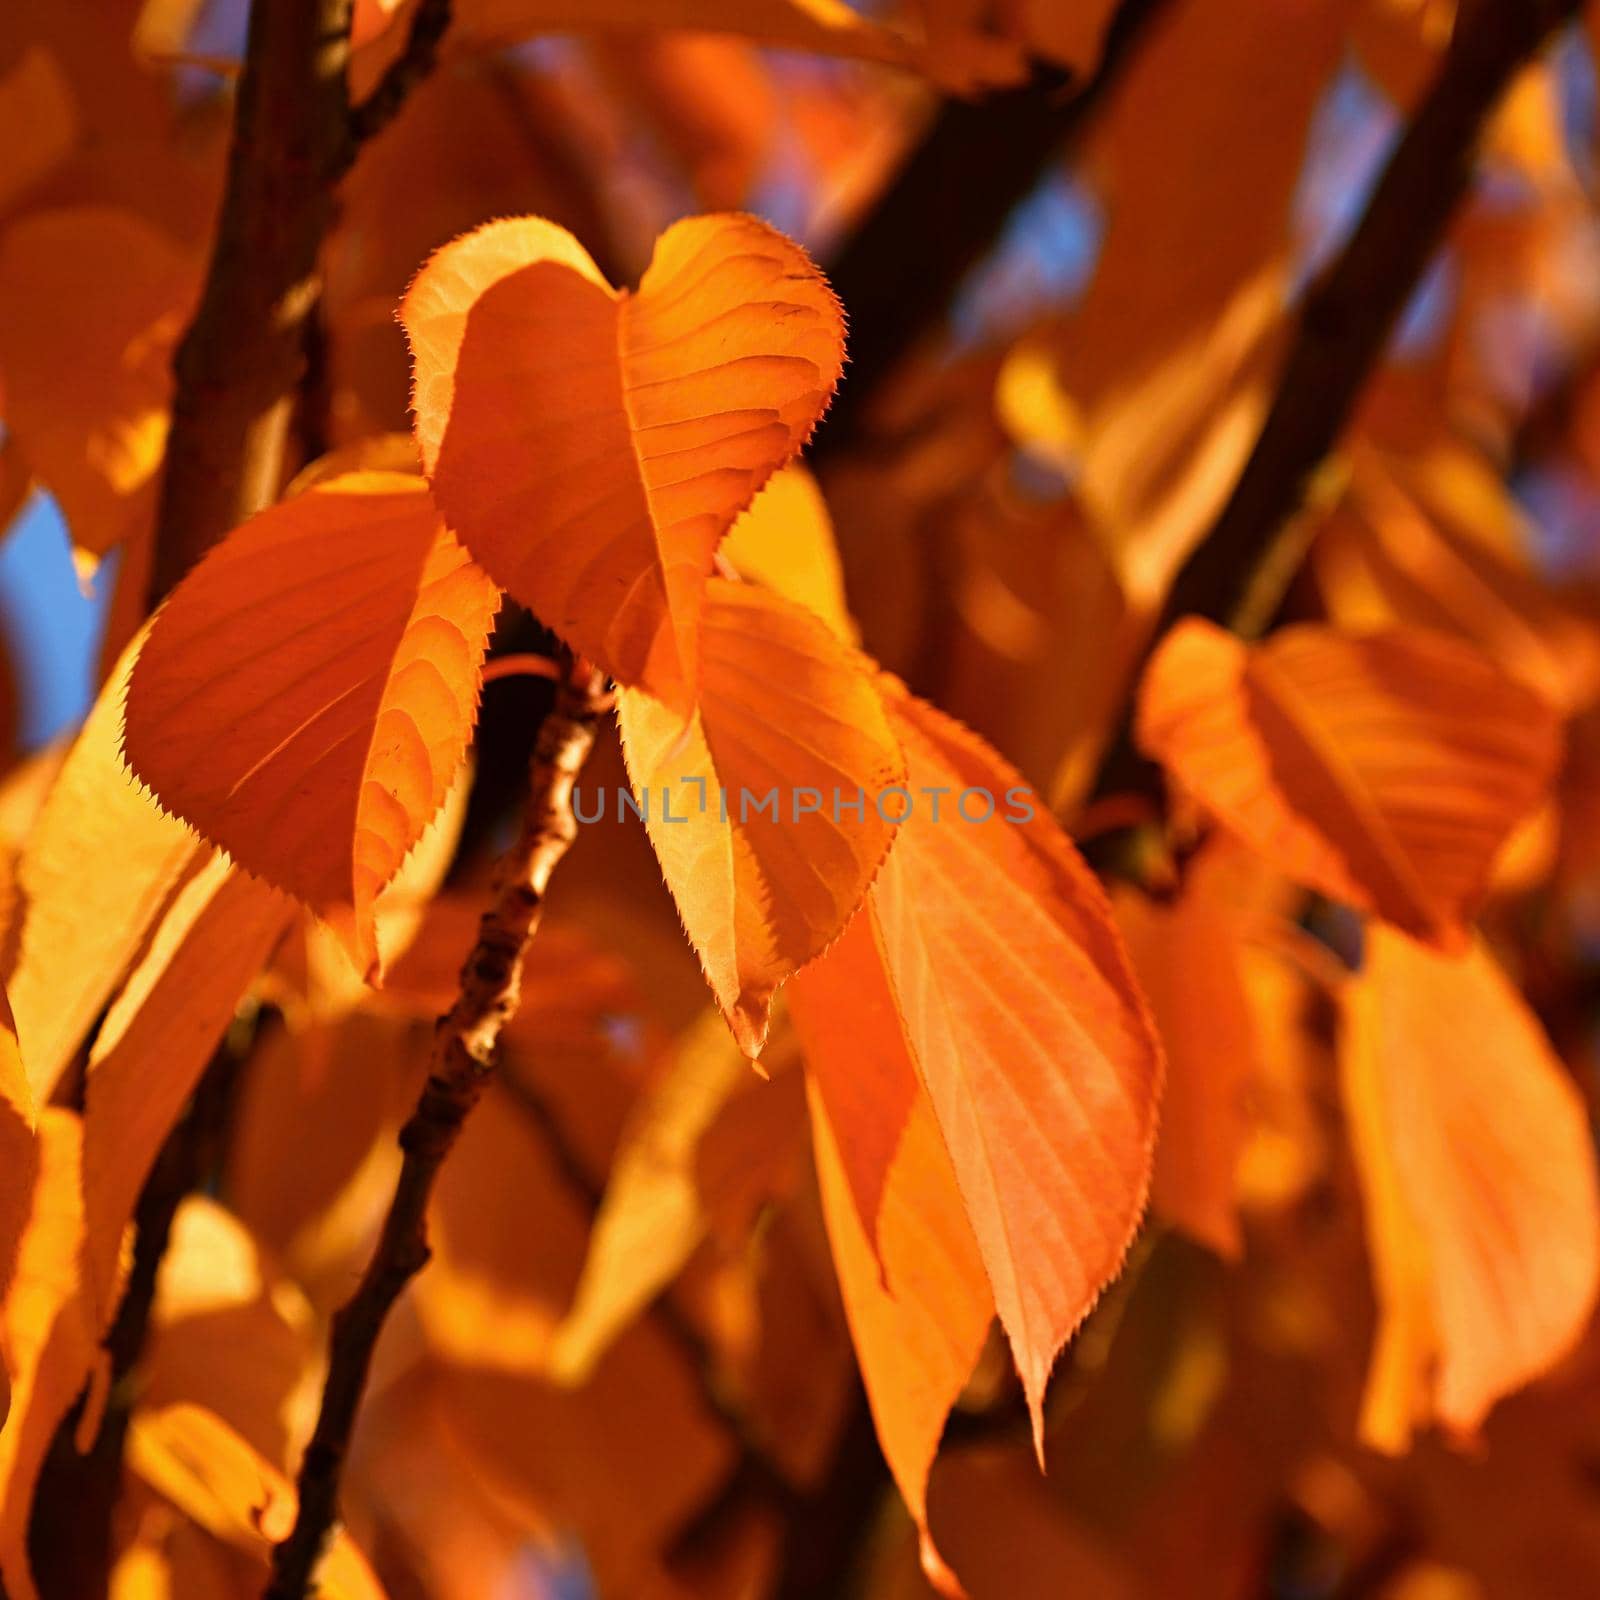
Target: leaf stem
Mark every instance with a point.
(463, 1060)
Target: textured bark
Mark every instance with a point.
(463, 1061)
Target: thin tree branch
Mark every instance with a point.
(295, 135)
(463, 1058)
(1344, 327)
(239, 364)
(899, 272)
(238, 374)
(415, 61)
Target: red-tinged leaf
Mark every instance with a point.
(1017, 1005)
(155, 1043)
(591, 447)
(45, 1329)
(306, 696)
(1383, 769)
(1478, 1171)
(789, 716)
(914, 1290)
(77, 926)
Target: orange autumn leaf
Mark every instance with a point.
(38, 121)
(203, 1466)
(651, 1218)
(1019, 1009)
(19, 1156)
(785, 543)
(913, 1285)
(156, 1041)
(86, 358)
(45, 1330)
(1189, 958)
(306, 696)
(622, 1461)
(754, 807)
(77, 927)
(1383, 769)
(592, 446)
(1394, 555)
(1477, 1167)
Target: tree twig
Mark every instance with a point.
(415, 61)
(900, 270)
(238, 368)
(463, 1059)
(1344, 327)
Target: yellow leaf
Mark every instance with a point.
(199, 1463)
(784, 542)
(19, 1156)
(651, 1219)
(592, 447)
(1188, 956)
(1478, 1170)
(80, 924)
(1383, 769)
(306, 696)
(155, 1043)
(788, 718)
(45, 1328)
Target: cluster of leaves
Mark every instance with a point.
(1349, 980)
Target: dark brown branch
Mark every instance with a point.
(413, 64)
(240, 361)
(239, 366)
(463, 1058)
(898, 274)
(1345, 325)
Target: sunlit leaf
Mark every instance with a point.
(50, 1344)
(591, 447)
(86, 357)
(318, 755)
(1478, 1173)
(78, 926)
(914, 1287)
(155, 1042)
(765, 811)
(1017, 1005)
(1384, 769)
